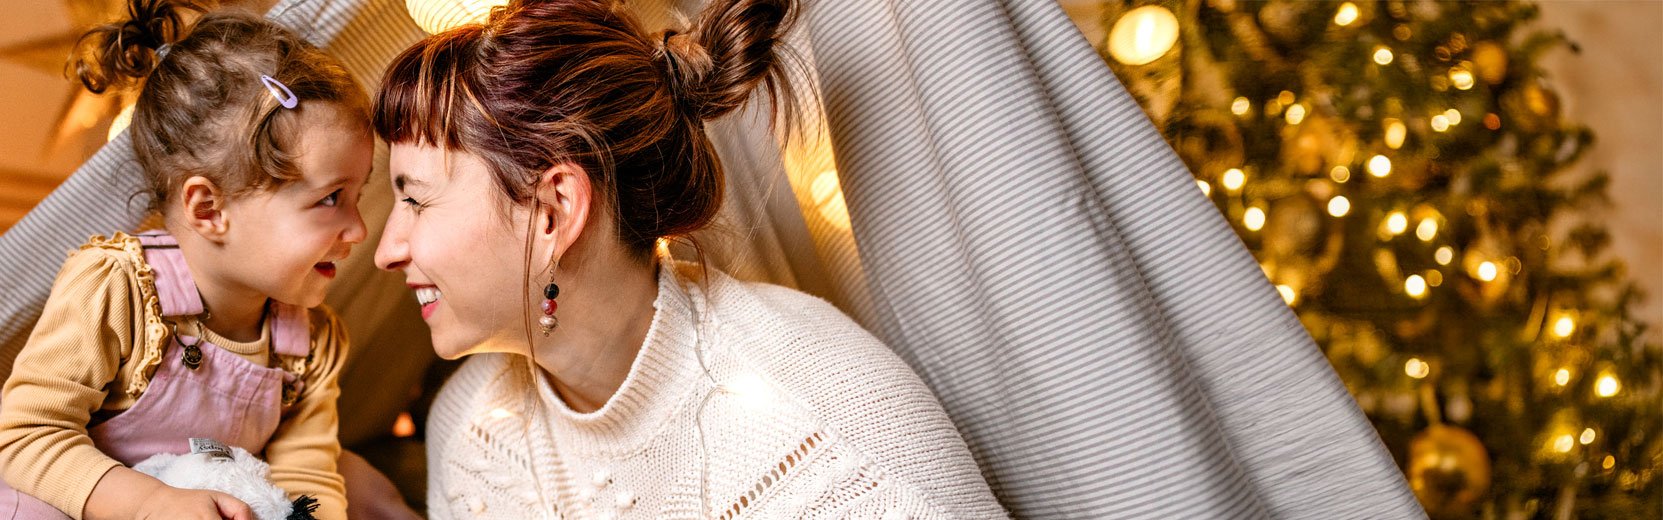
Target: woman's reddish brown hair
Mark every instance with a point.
(544, 82)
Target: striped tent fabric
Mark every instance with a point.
(1101, 337)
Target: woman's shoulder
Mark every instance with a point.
(783, 327)
(865, 395)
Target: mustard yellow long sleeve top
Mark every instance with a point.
(93, 352)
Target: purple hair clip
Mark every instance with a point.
(280, 91)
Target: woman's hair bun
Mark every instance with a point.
(733, 47)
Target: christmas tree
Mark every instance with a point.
(1403, 173)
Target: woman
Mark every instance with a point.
(539, 159)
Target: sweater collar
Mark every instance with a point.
(665, 372)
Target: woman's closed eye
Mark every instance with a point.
(416, 206)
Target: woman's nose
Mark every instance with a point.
(393, 252)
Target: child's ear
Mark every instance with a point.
(204, 208)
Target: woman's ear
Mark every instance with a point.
(564, 196)
(204, 208)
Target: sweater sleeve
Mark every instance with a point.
(60, 379)
(304, 450)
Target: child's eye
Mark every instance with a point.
(331, 200)
(413, 204)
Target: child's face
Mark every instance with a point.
(287, 242)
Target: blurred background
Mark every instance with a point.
(1463, 201)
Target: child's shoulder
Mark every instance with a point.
(118, 255)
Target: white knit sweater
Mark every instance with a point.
(793, 411)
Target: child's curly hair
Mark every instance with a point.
(202, 109)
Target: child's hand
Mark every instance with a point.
(191, 504)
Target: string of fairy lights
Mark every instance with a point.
(1381, 163)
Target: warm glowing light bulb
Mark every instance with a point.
(1440, 123)
(1460, 77)
(1396, 223)
(1240, 106)
(122, 119)
(1254, 218)
(1416, 368)
(1564, 326)
(1444, 255)
(1562, 376)
(1346, 14)
(827, 194)
(1143, 35)
(1588, 436)
(1288, 294)
(1340, 174)
(1415, 285)
(1564, 443)
(1206, 189)
(1607, 385)
(1395, 133)
(1453, 115)
(437, 16)
(1487, 271)
(1427, 230)
(1339, 206)
(404, 425)
(1382, 55)
(1295, 114)
(1234, 179)
(1380, 166)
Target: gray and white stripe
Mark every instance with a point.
(1102, 338)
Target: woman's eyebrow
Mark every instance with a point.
(402, 180)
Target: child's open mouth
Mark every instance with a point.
(327, 269)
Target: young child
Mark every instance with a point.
(254, 145)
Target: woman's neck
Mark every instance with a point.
(606, 308)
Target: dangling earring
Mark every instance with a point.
(550, 292)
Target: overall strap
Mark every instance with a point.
(291, 329)
(174, 285)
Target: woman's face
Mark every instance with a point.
(457, 249)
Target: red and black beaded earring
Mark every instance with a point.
(550, 292)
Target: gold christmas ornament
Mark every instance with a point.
(1532, 107)
(1208, 140)
(1316, 144)
(1449, 470)
(1295, 23)
(1491, 61)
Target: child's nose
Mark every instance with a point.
(355, 231)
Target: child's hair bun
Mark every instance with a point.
(126, 51)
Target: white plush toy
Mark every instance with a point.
(231, 470)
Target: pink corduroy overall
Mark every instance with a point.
(199, 389)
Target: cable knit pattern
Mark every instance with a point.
(756, 402)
